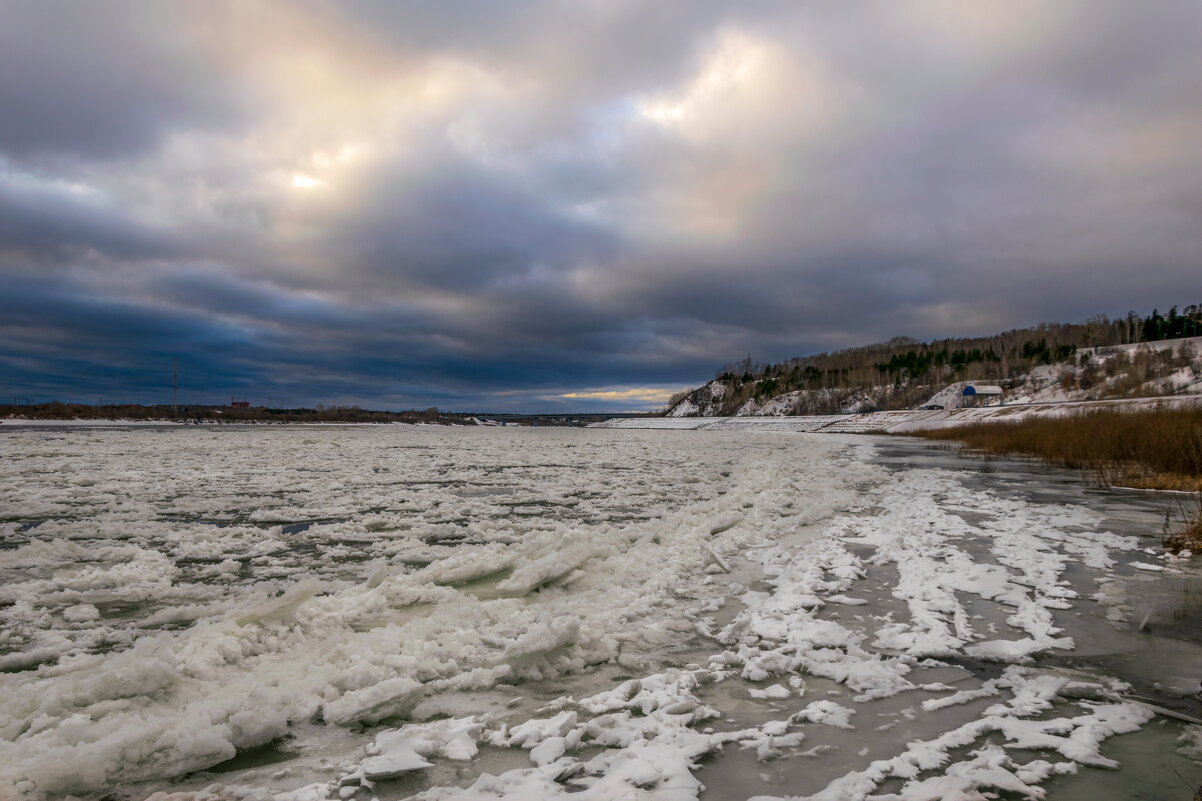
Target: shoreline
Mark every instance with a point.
(24, 422)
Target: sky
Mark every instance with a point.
(572, 205)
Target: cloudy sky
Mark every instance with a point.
(583, 204)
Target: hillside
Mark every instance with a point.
(1095, 360)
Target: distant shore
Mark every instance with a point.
(135, 414)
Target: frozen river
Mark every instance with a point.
(313, 613)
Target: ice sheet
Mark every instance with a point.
(380, 607)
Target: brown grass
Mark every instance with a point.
(1183, 530)
(1148, 449)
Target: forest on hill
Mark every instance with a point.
(902, 372)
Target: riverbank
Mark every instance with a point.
(904, 421)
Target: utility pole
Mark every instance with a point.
(175, 387)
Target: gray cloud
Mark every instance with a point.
(451, 225)
(89, 80)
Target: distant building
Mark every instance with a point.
(239, 404)
(975, 394)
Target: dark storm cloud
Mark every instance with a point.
(498, 204)
(231, 337)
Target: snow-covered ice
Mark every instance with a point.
(302, 614)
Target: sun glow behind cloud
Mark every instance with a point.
(324, 163)
(300, 181)
(646, 394)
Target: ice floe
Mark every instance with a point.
(505, 613)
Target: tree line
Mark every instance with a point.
(908, 368)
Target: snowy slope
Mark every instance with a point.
(1170, 367)
(704, 402)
